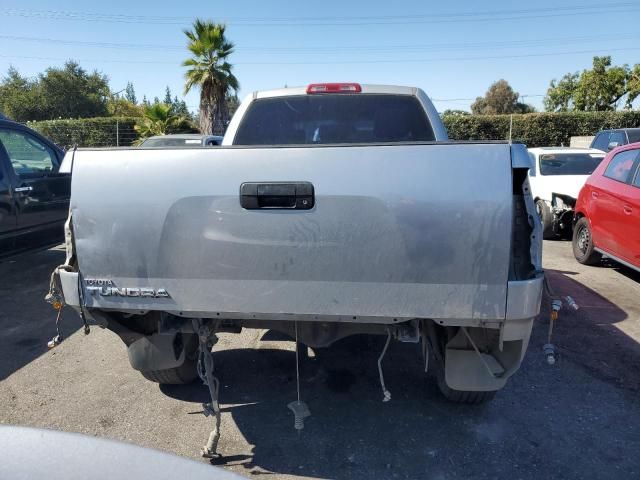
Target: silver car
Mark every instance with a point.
(183, 140)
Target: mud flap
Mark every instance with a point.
(155, 352)
(464, 370)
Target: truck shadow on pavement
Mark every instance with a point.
(532, 429)
(351, 432)
(590, 337)
(27, 322)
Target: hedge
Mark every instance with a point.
(89, 132)
(537, 129)
(533, 129)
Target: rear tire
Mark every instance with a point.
(582, 243)
(182, 374)
(546, 217)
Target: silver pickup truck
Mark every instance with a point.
(329, 211)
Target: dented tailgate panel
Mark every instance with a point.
(400, 231)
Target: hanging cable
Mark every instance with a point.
(385, 392)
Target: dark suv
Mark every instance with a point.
(34, 197)
(607, 140)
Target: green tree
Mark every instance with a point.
(560, 94)
(500, 99)
(20, 97)
(67, 92)
(232, 104)
(209, 70)
(633, 85)
(130, 94)
(600, 88)
(71, 92)
(121, 107)
(180, 108)
(158, 119)
(167, 96)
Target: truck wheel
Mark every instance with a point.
(180, 375)
(583, 248)
(546, 217)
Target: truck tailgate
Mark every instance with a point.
(396, 232)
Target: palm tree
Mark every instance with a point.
(159, 119)
(209, 69)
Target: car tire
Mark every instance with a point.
(182, 374)
(582, 243)
(546, 217)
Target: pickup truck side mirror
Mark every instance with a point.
(612, 145)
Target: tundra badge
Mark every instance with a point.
(106, 288)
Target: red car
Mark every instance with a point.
(607, 218)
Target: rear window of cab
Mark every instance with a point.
(334, 119)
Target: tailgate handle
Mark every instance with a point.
(290, 195)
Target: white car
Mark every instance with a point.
(556, 177)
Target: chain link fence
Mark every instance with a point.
(89, 132)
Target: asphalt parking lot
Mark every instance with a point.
(576, 419)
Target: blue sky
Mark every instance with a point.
(453, 50)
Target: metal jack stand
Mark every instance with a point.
(299, 408)
(206, 367)
(56, 299)
(549, 348)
